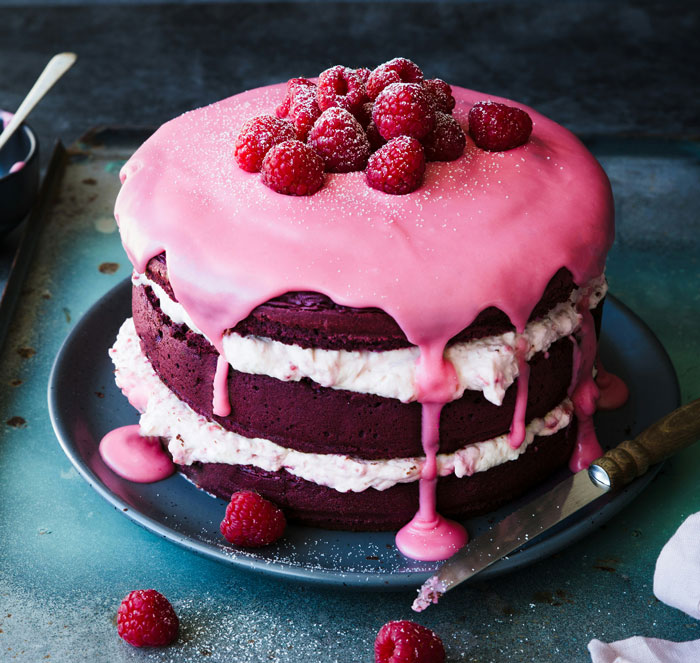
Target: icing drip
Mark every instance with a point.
(517, 428)
(584, 393)
(221, 402)
(613, 391)
(5, 119)
(429, 536)
(134, 457)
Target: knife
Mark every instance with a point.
(615, 469)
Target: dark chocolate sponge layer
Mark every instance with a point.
(371, 509)
(306, 417)
(312, 320)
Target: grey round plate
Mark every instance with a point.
(176, 510)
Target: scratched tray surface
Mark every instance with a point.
(190, 518)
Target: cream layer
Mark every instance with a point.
(489, 364)
(191, 437)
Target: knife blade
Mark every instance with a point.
(615, 469)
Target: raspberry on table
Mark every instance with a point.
(398, 70)
(340, 141)
(407, 642)
(397, 167)
(441, 93)
(146, 619)
(446, 141)
(403, 109)
(252, 521)
(494, 126)
(342, 87)
(256, 137)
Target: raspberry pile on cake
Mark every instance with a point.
(359, 289)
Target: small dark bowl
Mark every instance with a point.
(18, 190)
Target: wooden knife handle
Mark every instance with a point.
(632, 458)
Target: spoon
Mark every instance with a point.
(57, 66)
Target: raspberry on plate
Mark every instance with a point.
(146, 619)
(496, 127)
(404, 109)
(398, 70)
(293, 168)
(446, 141)
(252, 521)
(256, 138)
(397, 167)
(340, 86)
(407, 642)
(441, 94)
(340, 141)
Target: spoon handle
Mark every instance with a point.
(57, 66)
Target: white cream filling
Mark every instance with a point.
(192, 437)
(489, 365)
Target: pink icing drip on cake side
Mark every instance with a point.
(432, 259)
(516, 435)
(613, 391)
(429, 536)
(584, 393)
(221, 403)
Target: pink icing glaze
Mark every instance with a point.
(584, 393)
(613, 391)
(432, 259)
(429, 536)
(134, 457)
(221, 403)
(517, 429)
(6, 118)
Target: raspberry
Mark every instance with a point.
(251, 520)
(256, 137)
(364, 114)
(398, 70)
(293, 86)
(403, 109)
(398, 167)
(407, 642)
(363, 73)
(497, 127)
(340, 86)
(304, 111)
(300, 106)
(441, 93)
(146, 618)
(446, 141)
(340, 141)
(374, 137)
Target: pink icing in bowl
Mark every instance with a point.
(19, 175)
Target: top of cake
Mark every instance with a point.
(490, 228)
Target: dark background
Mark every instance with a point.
(596, 67)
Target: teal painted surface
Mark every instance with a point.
(67, 558)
